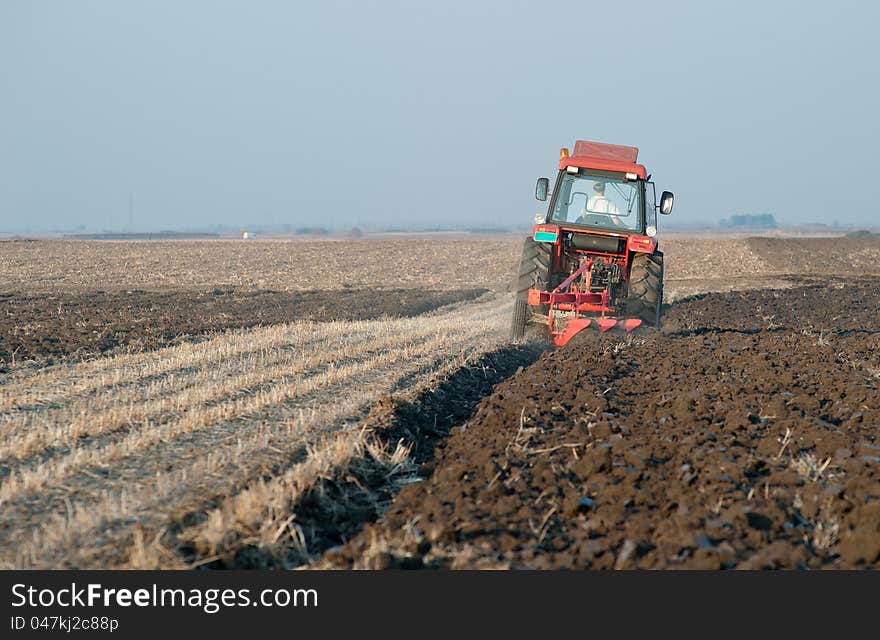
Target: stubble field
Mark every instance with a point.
(331, 403)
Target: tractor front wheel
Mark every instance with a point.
(645, 297)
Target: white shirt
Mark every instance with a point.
(601, 204)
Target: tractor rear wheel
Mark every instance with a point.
(520, 317)
(533, 273)
(645, 296)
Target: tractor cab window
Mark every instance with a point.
(598, 201)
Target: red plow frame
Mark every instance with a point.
(575, 302)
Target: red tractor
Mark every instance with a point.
(593, 258)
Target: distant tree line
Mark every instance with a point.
(311, 231)
(749, 221)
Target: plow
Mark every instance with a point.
(567, 305)
(592, 259)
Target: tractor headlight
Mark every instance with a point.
(650, 231)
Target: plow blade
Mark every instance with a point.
(575, 326)
(630, 324)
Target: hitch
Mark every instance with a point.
(566, 307)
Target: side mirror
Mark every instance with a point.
(542, 188)
(666, 202)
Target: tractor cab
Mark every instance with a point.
(603, 201)
(601, 188)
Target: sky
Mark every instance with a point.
(121, 115)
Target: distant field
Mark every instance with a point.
(76, 299)
(439, 264)
(278, 265)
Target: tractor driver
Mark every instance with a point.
(599, 204)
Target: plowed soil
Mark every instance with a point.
(51, 325)
(744, 435)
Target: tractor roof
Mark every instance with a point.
(605, 157)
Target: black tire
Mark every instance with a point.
(533, 273)
(534, 268)
(645, 295)
(520, 316)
